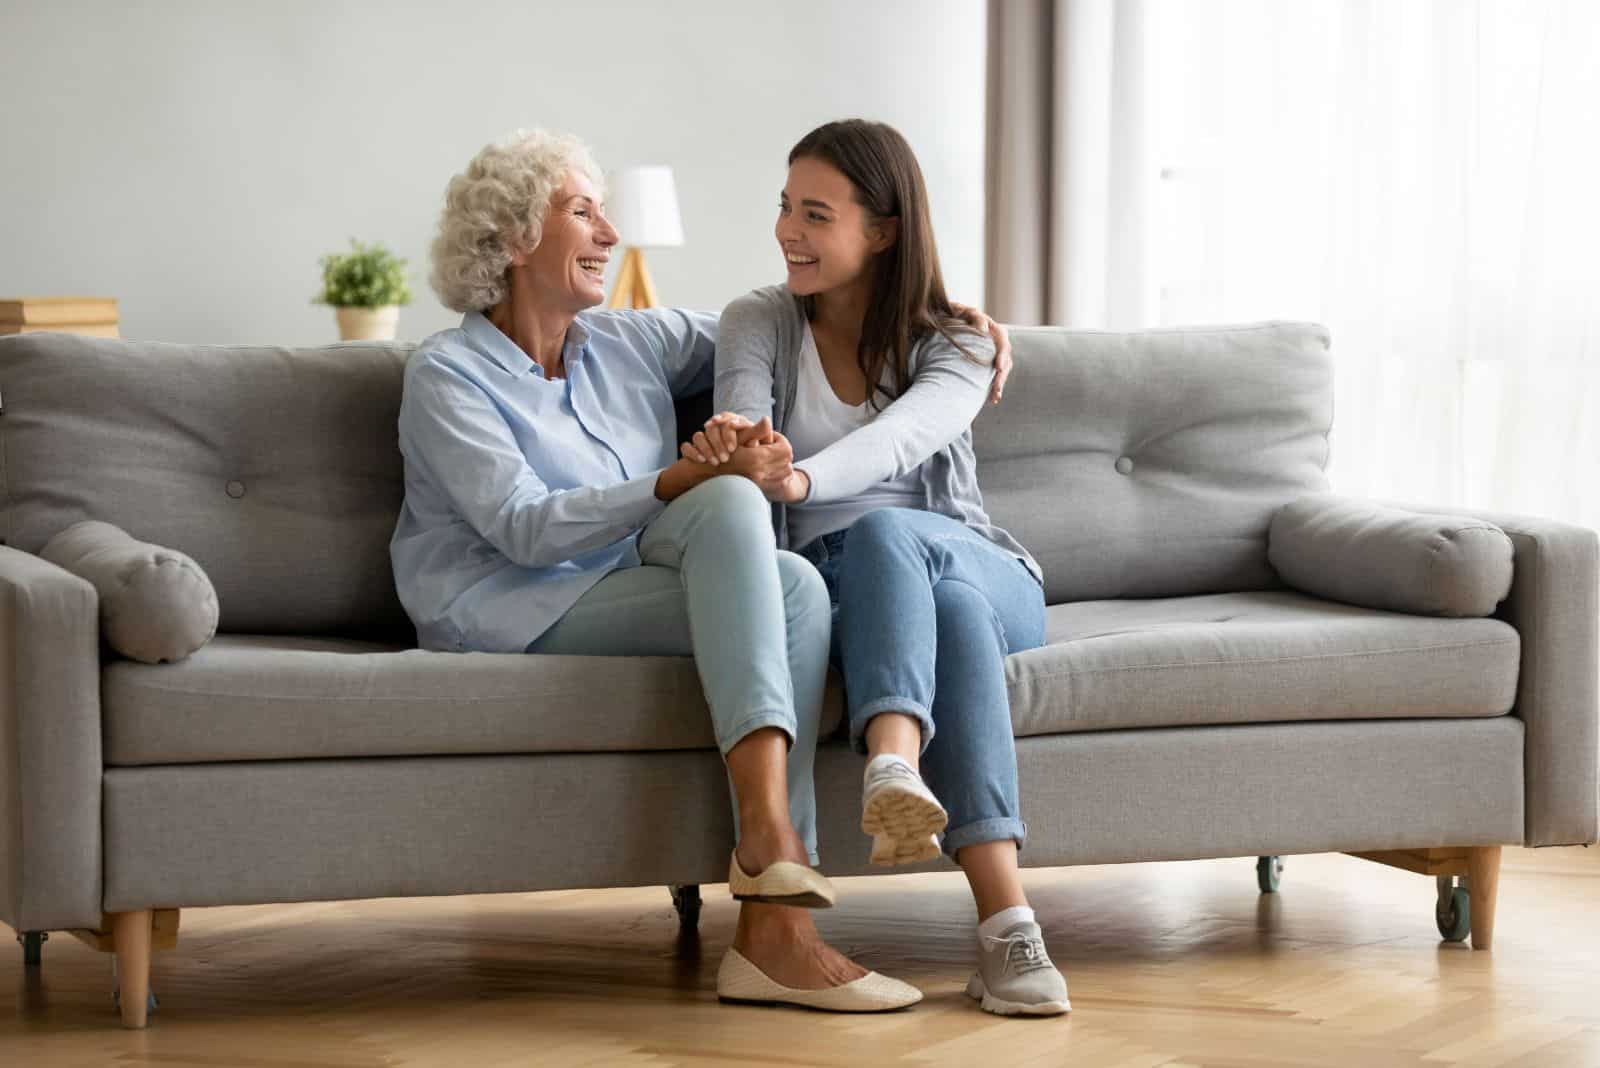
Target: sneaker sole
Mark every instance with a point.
(1000, 1007)
(892, 852)
(903, 815)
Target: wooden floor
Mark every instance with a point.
(1169, 964)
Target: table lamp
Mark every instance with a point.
(644, 209)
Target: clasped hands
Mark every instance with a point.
(755, 450)
(765, 457)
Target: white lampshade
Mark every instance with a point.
(642, 203)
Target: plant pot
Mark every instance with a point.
(368, 324)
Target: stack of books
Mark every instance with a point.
(95, 316)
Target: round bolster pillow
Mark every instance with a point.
(1378, 556)
(156, 604)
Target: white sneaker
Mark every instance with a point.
(900, 813)
(1015, 976)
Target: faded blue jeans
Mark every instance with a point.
(926, 611)
(757, 621)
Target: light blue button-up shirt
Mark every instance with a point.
(522, 491)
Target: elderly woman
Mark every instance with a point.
(546, 512)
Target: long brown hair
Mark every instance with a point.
(908, 300)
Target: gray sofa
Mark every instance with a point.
(1190, 702)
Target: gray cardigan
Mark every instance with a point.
(927, 429)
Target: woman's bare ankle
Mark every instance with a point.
(759, 849)
(784, 943)
(763, 924)
(895, 734)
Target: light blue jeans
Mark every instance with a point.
(756, 620)
(927, 611)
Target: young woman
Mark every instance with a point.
(859, 362)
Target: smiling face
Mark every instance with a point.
(568, 265)
(828, 239)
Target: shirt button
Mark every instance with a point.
(236, 489)
(1124, 465)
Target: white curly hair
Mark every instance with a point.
(497, 204)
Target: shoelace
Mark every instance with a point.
(1024, 954)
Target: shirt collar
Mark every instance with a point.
(489, 339)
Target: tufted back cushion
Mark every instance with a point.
(1148, 464)
(1131, 465)
(277, 470)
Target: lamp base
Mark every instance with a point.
(634, 289)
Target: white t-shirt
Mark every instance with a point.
(819, 418)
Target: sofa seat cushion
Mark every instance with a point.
(260, 697)
(1260, 657)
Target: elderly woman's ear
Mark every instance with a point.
(495, 210)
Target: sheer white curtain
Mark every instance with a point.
(1423, 176)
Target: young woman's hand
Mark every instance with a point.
(795, 488)
(768, 465)
(723, 433)
(1002, 345)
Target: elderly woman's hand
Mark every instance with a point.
(1002, 345)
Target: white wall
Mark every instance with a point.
(194, 159)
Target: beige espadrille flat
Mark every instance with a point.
(741, 982)
(783, 883)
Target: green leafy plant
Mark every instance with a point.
(369, 276)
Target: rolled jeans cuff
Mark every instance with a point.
(726, 740)
(904, 705)
(991, 830)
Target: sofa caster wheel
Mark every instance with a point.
(1268, 869)
(686, 899)
(1453, 913)
(32, 942)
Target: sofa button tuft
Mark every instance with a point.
(236, 489)
(1124, 464)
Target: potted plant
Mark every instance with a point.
(366, 287)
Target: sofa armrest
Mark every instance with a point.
(1554, 604)
(50, 757)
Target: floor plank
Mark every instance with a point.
(1169, 965)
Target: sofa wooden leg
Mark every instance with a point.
(1481, 866)
(131, 934)
(1483, 883)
